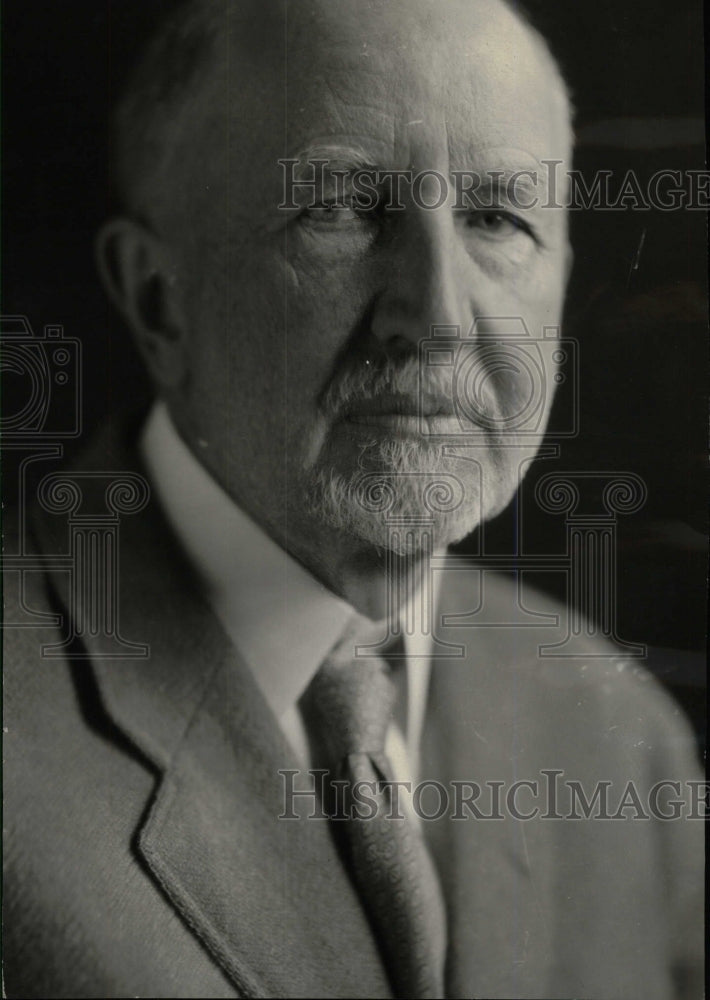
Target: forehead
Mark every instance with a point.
(413, 73)
(409, 83)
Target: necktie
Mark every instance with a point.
(347, 709)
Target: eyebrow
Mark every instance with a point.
(353, 157)
(338, 157)
(504, 182)
(495, 180)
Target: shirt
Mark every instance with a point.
(281, 619)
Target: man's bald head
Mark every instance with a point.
(155, 137)
(265, 321)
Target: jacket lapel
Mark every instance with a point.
(268, 897)
(492, 869)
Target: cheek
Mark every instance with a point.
(513, 380)
(323, 306)
(270, 327)
(536, 293)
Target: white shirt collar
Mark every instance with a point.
(279, 617)
(282, 620)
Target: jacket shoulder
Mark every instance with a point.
(513, 638)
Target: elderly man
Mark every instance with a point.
(220, 817)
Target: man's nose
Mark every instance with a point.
(427, 279)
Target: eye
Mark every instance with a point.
(497, 224)
(330, 213)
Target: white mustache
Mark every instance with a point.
(406, 378)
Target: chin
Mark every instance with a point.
(408, 497)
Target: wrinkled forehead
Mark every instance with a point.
(464, 74)
(445, 85)
(389, 75)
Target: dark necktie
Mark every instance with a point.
(347, 709)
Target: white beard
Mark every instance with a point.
(404, 496)
(408, 493)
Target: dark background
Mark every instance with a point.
(642, 333)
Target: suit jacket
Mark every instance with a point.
(143, 852)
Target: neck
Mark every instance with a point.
(377, 582)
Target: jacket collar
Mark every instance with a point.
(281, 618)
(269, 898)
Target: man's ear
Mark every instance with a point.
(141, 281)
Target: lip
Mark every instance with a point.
(387, 407)
(403, 425)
